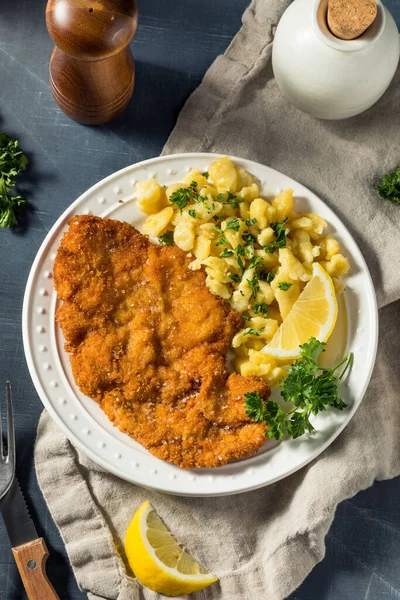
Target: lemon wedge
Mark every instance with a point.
(157, 559)
(313, 314)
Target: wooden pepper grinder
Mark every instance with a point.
(92, 73)
(348, 19)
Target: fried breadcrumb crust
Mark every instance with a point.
(148, 341)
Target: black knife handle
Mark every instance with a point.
(31, 562)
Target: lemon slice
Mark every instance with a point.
(313, 314)
(157, 559)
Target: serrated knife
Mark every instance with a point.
(29, 550)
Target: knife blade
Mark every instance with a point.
(18, 522)
(29, 550)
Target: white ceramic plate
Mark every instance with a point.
(82, 420)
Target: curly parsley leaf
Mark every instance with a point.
(284, 285)
(255, 407)
(308, 387)
(311, 351)
(298, 425)
(9, 205)
(266, 412)
(389, 189)
(167, 238)
(12, 162)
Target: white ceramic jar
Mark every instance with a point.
(327, 77)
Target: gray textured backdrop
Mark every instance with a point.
(175, 43)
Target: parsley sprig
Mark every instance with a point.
(308, 387)
(12, 162)
(389, 189)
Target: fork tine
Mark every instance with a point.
(10, 427)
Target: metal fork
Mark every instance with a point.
(7, 460)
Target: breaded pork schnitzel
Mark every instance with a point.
(148, 341)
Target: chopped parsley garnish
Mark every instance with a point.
(205, 174)
(185, 196)
(261, 308)
(233, 224)
(188, 195)
(254, 262)
(226, 253)
(389, 189)
(280, 236)
(245, 317)
(249, 238)
(12, 162)
(260, 274)
(192, 213)
(265, 275)
(284, 285)
(252, 331)
(210, 209)
(167, 238)
(240, 252)
(221, 238)
(254, 286)
(230, 198)
(235, 277)
(308, 387)
(250, 222)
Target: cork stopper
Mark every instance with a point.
(348, 19)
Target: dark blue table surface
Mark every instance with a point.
(175, 43)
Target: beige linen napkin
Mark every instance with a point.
(261, 544)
